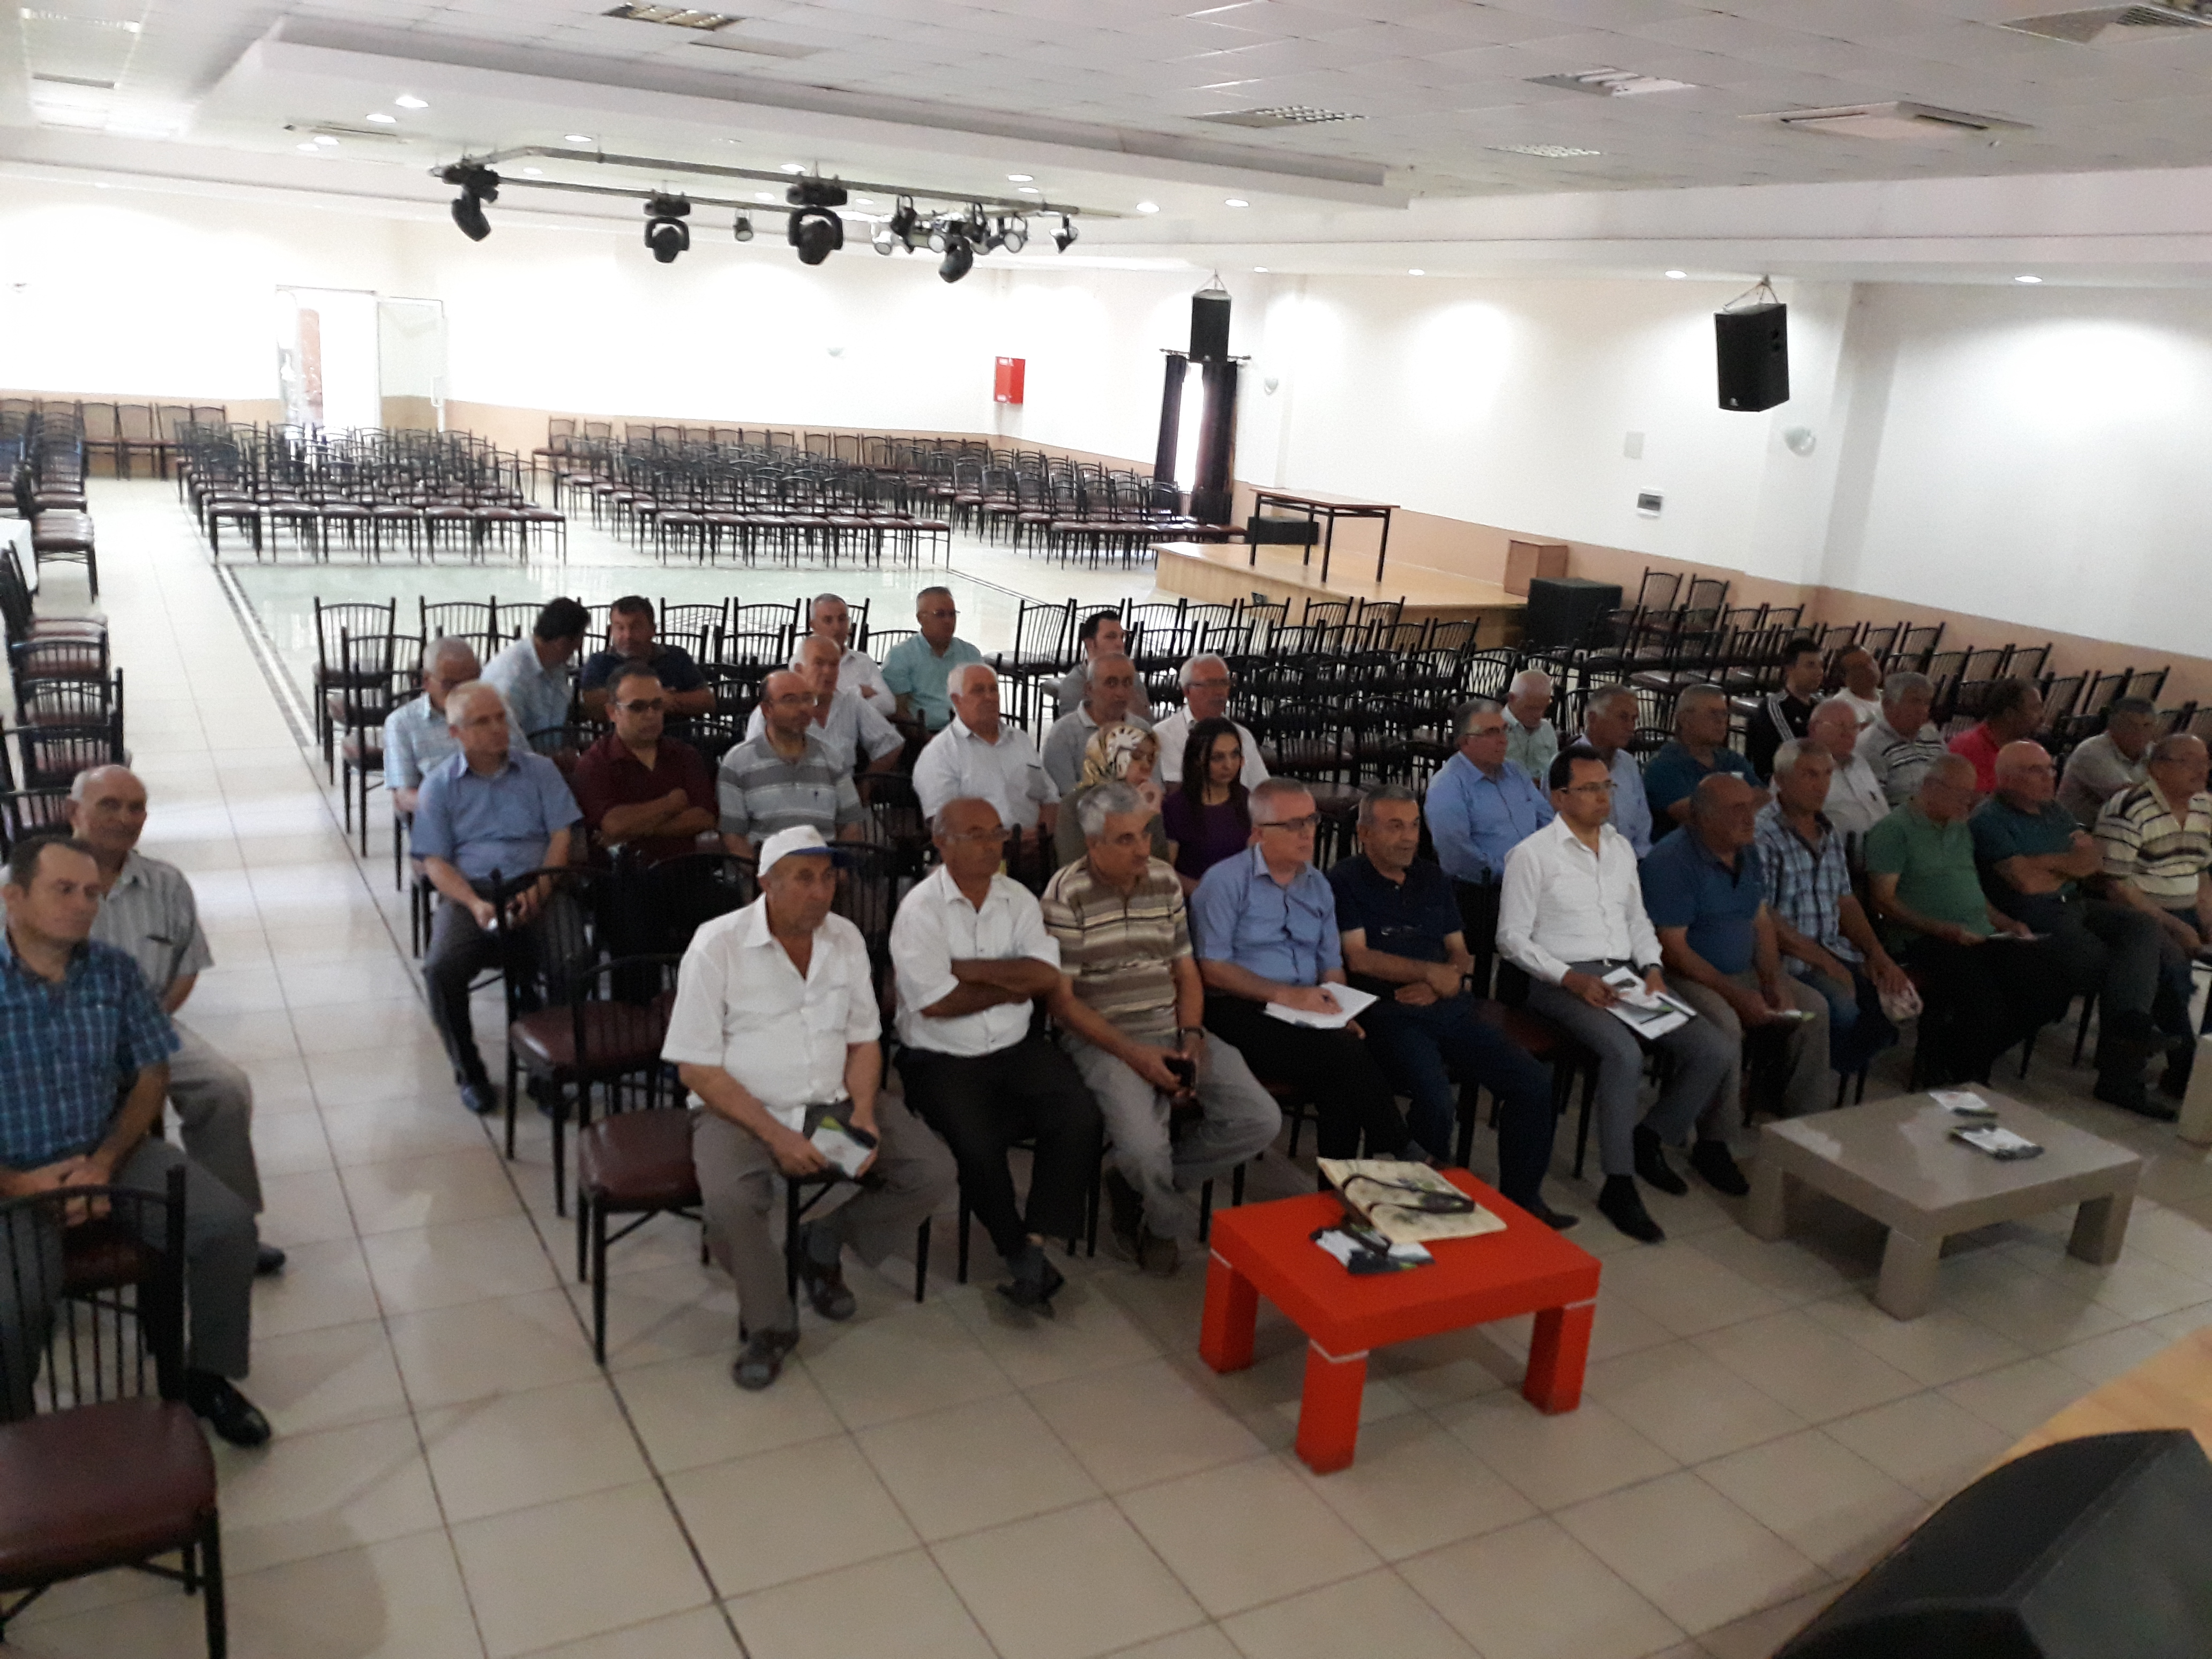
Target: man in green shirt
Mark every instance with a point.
(917, 668)
(1985, 984)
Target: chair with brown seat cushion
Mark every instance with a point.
(102, 1465)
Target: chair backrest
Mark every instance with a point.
(355, 617)
(1658, 590)
(654, 908)
(31, 812)
(1706, 593)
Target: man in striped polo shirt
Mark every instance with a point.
(787, 776)
(2157, 844)
(1131, 1008)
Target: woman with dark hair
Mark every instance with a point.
(1205, 817)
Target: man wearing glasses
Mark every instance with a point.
(1206, 689)
(638, 788)
(916, 668)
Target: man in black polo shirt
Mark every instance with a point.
(1400, 927)
(630, 643)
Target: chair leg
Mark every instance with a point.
(213, 1609)
(583, 1234)
(560, 1151)
(598, 1281)
(511, 1077)
(1590, 1109)
(1205, 1209)
(791, 1241)
(2081, 1032)
(1470, 1106)
(961, 1276)
(922, 1260)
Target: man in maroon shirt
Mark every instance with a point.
(637, 788)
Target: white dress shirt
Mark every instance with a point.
(1563, 903)
(1174, 733)
(937, 927)
(858, 672)
(850, 722)
(741, 1005)
(1856, 800)
(1009, 773)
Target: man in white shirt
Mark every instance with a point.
(1101, 636)
(1856, 800)
(972, 957)
(829, 618)
(979, 755)
(1109, 699)
(1206, 689)
(1571, 912)
(844, 721)
(774, 1028)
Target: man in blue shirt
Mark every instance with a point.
(1400, 928)
(1481, 804)
(1264, 929)
(487, 811)
(918, 669)
(630, 643)
(79, 1031)
(1706, 896)
(1609, 725)
(533, 676)
(1697, 750)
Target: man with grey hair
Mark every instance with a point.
(917, 668)
(1131, 1009)
(415, 738)
(982, 757)
(1899, 747)
(1609, 726)
(1109, 698)
(1698, 750)
(830, 618)
(1481, 804)
(2115, 760)
(1206, 685)
(847, 723)
(1531, 740)
(1856, 802)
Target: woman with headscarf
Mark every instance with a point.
(1116, 754)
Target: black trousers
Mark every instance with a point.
(1991, 996)
(982, 1104)
(1352, 1097)
(460, 951)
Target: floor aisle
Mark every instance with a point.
(453, 1476)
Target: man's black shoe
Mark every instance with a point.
(1125, 1216)
(1558, 1220)
(480, 1097)
(228, 1412)
(1651, 1163)
(1622, 1205)
(268, 1262)
(824, 1282)
(1713, 1161)
(1036, 1280)
(2129, 1094)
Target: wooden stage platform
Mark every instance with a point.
(1215, 571)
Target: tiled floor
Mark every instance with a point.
(452, 1475)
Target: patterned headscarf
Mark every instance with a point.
(1111, 750)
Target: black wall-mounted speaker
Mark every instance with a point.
(2089, 1549)
(1753, 349)
(1209, 325)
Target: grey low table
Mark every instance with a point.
(1895, 1161)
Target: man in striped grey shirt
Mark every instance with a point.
(149, 912)
(787, 776)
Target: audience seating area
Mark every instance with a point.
(69, 707)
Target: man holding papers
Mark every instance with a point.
(774, 1028)
(1572, 913)
(1265, 933)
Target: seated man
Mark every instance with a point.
(1110, 698)
(1697, 749)
(148, 911)
(1530, 740)
(1400, 929)
(1862, 678)
(2117, 759)
(1824, 936)
(2033, 856)
(2012, 712)
(1264, 926)
(1608, 724)
(973, 959)
(1856, 802)
(638, 788)
(1130, 1007)
(775, 1028)
(1100, 636)
(1921, 875)
(1899, 747)
(1706, 896)
(630, 644)
(1481, 805)
(1783, 714)
(787, 776)
(980, 757)
(1205, 687)
(82, 1078)
(2156, 842)
(415, 735)
(830, 618)
(916, 668)
(490, 811)
(843, 720)
(1572, 913)
(531, 675)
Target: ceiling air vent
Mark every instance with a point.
(756, 48)
(1546, 152)
(1894, 123)
(677, 17)
(2119, 24)
(1282, 115)
(344, 130)
(76, 81)
(1610, 82)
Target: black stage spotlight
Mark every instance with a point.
(743, 230)
(906, 224)
(1014, 234)
(815, 231)
(1063, 238)
(959, 255)
(478, 185)
(666, 232)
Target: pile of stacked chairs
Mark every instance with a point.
(372, 489)
(43, 447)
(748, 493)
(68, 706)
(123, 435)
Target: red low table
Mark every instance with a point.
(1267, 1249)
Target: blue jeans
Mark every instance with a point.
(1857, 1028)
(1421, 1048)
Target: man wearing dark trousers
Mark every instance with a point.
(972, 957)
(1265, 932)
(1401, 932)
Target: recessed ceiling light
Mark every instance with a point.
(1021, 178)
(2027, 279)
(1417, 271)
(534, 173)
(1148, 207)
(310, 148)
(1236, 200)
(409, 100)
(766, 195)
(380, 117)
(579, 138)
(1029, 190)
(1678, 275)
(325, 138)
(793, 167)
(1262, 270)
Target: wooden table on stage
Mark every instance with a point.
(1315, 513)
(1266, 1249)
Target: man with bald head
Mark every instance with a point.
(2033, 857)
(979, 755)
(787, 776)
(1856, 801)
(1697, 749)
(846, 721)
(149, 913)
(2156, 842)
(416, 737)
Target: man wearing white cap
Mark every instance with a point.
(775, 1028)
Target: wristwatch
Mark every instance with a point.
(1183, 1031)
